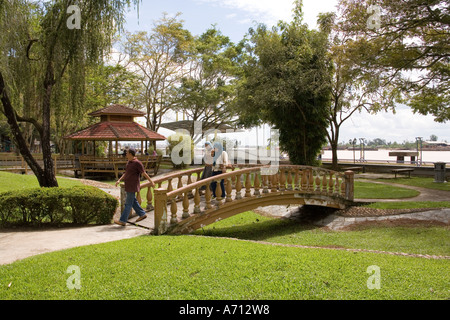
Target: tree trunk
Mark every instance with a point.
(17, 134)
(49, 171)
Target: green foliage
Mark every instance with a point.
(286, 83)
(43, 206)
(410, 45)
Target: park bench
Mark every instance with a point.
(403, 170)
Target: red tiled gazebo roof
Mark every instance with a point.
(117, 109)
(116, 131)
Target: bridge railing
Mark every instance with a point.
(239, 184)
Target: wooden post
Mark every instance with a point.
(160, 211)
(349, 185)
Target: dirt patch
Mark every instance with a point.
(406, 223)
(96, 184)
(370, 212)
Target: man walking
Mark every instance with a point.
(131, 177)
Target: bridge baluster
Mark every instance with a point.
(318, 185)
(228, 189)
(149, 199)
(248, 185)
(238, 187)
(265, 180)
(324, 183)
(282, 180)
(273, 179)
(208, 197)
(218, 193)
(173, 211)
(185, 206)
(289, 179)
(189, 181)
(343, 188)
(257, 185)
(297, 180)
(169, 187)
(304, 181)
(311, 180)
(179, 186)
(330, 184)
(197, 201)
(337, 186)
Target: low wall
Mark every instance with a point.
(386, 168)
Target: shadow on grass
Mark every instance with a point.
(303, 220)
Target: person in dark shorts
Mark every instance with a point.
(132, 177)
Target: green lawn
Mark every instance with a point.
(11, 181)
(187, 267)
(419, 182)
(251, 226)
(367, 190)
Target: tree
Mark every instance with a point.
(354, 88)
(207, 91)
(54, 40)
(409, 41)
(286, 83)
(160, 60)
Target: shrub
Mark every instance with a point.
(53, 206)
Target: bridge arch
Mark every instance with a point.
(185, 208)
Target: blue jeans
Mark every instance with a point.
(131, 202)
(214, 184)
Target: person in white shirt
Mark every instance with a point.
(220, 164)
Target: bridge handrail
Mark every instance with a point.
(295, 179)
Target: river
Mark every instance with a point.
(428, 157)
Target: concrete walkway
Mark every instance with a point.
(17, 245)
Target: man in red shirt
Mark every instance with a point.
(132, 179)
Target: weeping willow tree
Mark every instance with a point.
(42, 44)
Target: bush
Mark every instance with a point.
(54, 206)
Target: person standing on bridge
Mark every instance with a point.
(132, 178)
(220, 164)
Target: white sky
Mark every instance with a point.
(235, 17)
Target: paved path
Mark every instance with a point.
(16, 245)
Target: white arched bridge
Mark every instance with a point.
(181, 202)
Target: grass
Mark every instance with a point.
(419, 182)
(251, 226)
(210, 266)
(11, 181)
(367, 190)
(187, 267)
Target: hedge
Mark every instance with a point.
(54, 206)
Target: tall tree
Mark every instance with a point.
(57, 38)
(206, 93)
(286, 83)
(410, 39)
(160, 60)
(354, 88)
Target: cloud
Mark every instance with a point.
(270, 11)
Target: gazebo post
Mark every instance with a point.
(117, 147)
(142, 146)
(82, 148)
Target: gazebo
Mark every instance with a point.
(116, 124)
